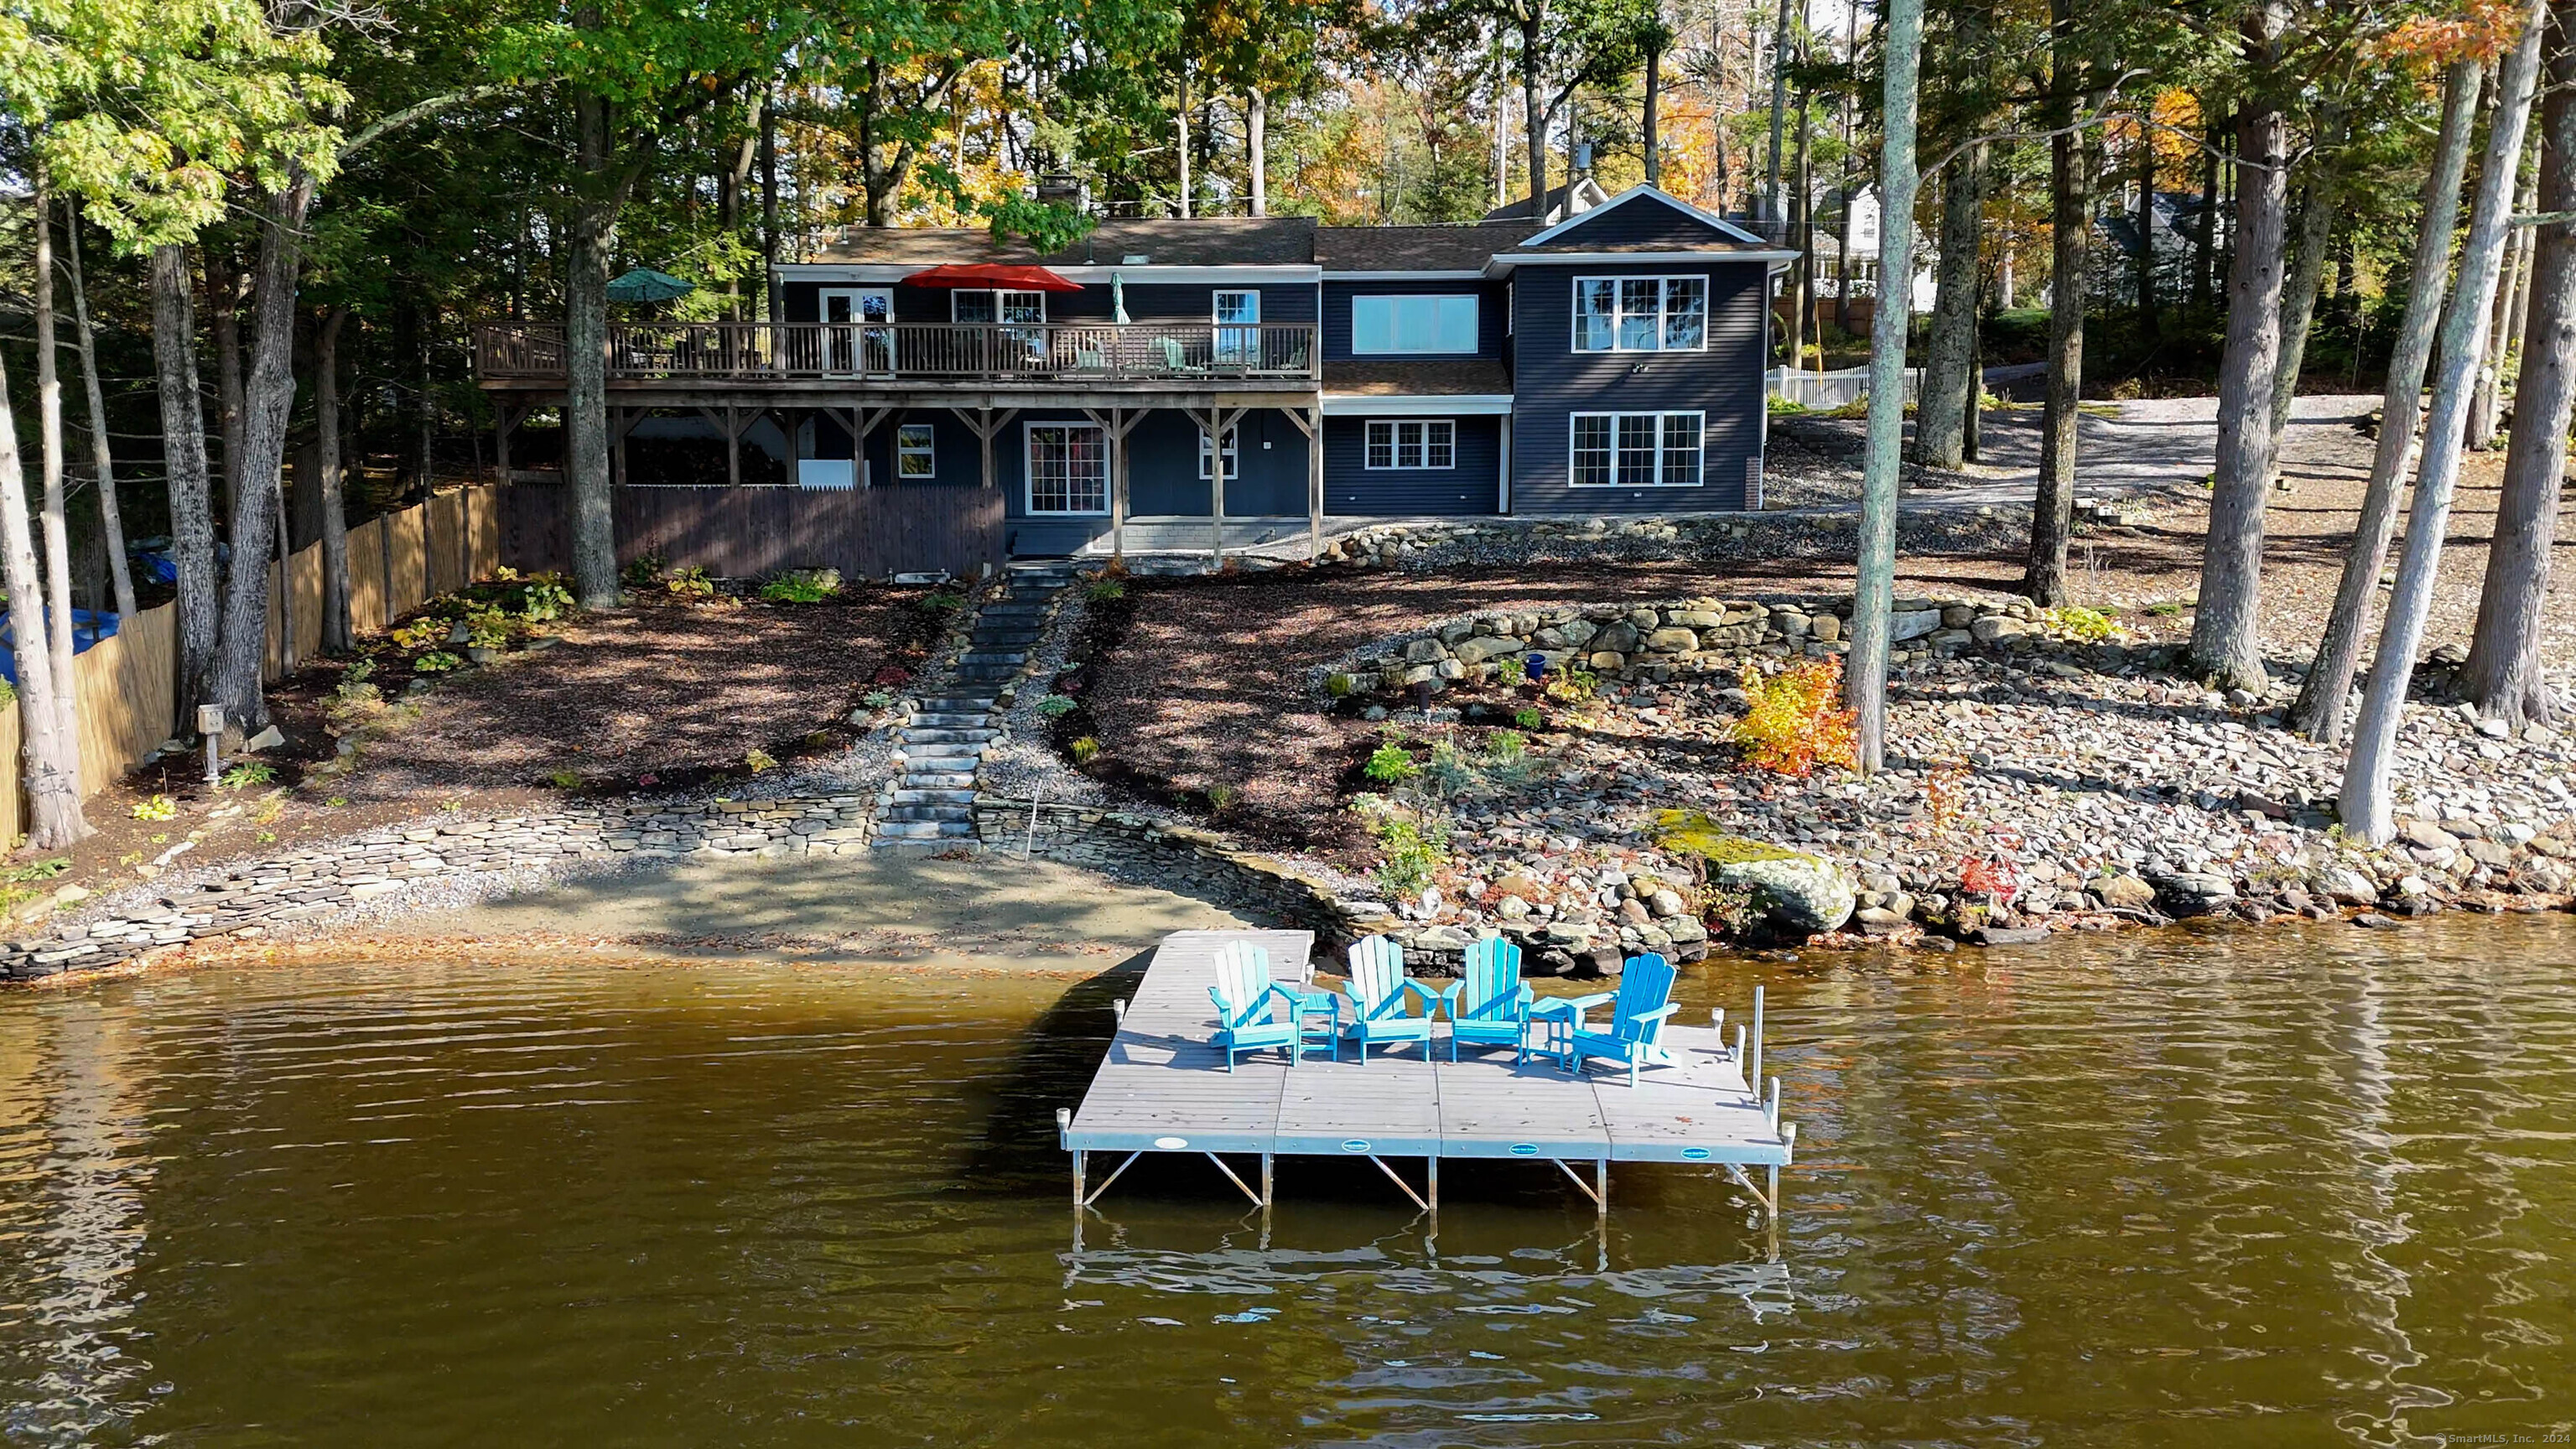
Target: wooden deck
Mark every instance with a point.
(1163, 1087)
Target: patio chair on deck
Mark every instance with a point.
(1380, 994)
(1177, 360)
(1635, 1029)
(1246, 1000)
(1488, 1004)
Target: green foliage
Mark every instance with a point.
(878, 699)
(247, 774)
(2077, 624)
(1413, 851)
(486, 627)
(8, 692)
(802, 586)
(1056, 706)
(1221, 797)
(428, 629)
(20, 884)
(691, 583)
(1104, 591)
(940, 603)
(644, 570)
(1785, 407)
(1085, 750)
(1575, 686)
(436, 661)
(1391, 764)
(1528, 717)
(758, 760)
(1340, 686)
(159, 807)
(1512, 670)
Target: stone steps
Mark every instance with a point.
(932, 804)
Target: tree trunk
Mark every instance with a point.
(1874, 572)
(2307, 274)
(51, 755)
(2486, 397)
(2504, 671)
(183, 448)
(339, 635)
(1774, 210)
(59, 644)
(269, 402)
(1652, 137)
(2204, 250)
(1803, 203)
(1851, 183)
(594, 526)
(2367, 807)
(2226, 638)
(1950, 382)
(223, 326)
(1256, 143)
(777, 300)
(1534, 117)
(2070, 221)
(1181, 147)
(2319, 711)
(2148, 324)
(102, 458)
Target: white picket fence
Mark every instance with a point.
(1824, 390)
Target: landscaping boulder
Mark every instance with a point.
(2194, 893)
(1797, 892)
(2125, 892)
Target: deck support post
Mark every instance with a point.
(1216, 486)
(1432, 1165)
(1115, 424)
(1310, 421)
(733, 446)
(505, 421)
(1601, 1193)
(1081, 1159)
(1265, 1180)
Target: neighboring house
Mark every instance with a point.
(1611, 362)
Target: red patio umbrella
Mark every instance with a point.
(1006, 278)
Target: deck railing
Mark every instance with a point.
(1071, 352)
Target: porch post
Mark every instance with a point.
(984, 430)
(617, 455)
(733, 446)
(1216, 485)
(1117, 431)
(1315, 483)
(505, 421)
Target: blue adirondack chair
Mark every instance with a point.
(1246, 998)
(1489, 1004)
(1643, 1000)
(1380, 994)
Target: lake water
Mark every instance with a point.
(2245, 1188)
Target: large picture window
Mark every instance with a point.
(1412, 324)
(1640, 314)
(1068, 468)
(1636, 450)
(1412, 443)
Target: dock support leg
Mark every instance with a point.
(1601, 1193)
(1265, 1180)
(1079, 1162)
(1434, 1168)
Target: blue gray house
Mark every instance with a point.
(1236, 378)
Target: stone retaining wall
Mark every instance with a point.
(1689, 636)
(259, 896)
(1118, 842)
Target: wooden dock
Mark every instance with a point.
(1163, 1087)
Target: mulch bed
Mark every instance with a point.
(1204, 687)
(667, 691)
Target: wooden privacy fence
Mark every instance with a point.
(129, 684)
(742, 532)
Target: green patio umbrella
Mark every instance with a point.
(1118, 299)
(647, 285)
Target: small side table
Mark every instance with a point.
(1306, 1005)
(1548, 1031)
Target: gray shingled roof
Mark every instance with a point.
(1465, 247)
(1402, 379)
(1163, 242)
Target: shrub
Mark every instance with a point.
(540, 598)
(248, 773)
(487, 628)
(159, 807)
(1085, 750)
(1574, 686)
(1222, 797)
(758, 760)
(1528, 717)
(878, 699)
(1056, 706)
(1391, 764)
(940, 603)
(1795, 720)
(1733, 909)
(1340, 686)
(1785, 407)
(802, 586)
(436, 661)
(692, 583)
(2076, 624)
(1104, 591)
(1414, 852)
(644, 571)
(1511, 669)
(1449, 773)
(564, 780)
(419, 632)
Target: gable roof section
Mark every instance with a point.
(1460, 248)
(1162, 242)
(1711, 230)
(1582, 189)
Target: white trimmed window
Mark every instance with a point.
(1068, 468)
(913, 451)
(1636, 450)
(1641, 314)
(1233, 460)
(1237, 315)
(1412, 443)
(979, 306)
(1381, 325)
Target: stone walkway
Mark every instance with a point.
(932, 804)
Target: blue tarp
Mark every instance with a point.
(87, 629)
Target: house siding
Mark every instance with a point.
(1162, 475)
(1473, 487)
(1552, 382)
(1146, 302)
(1335, 331)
